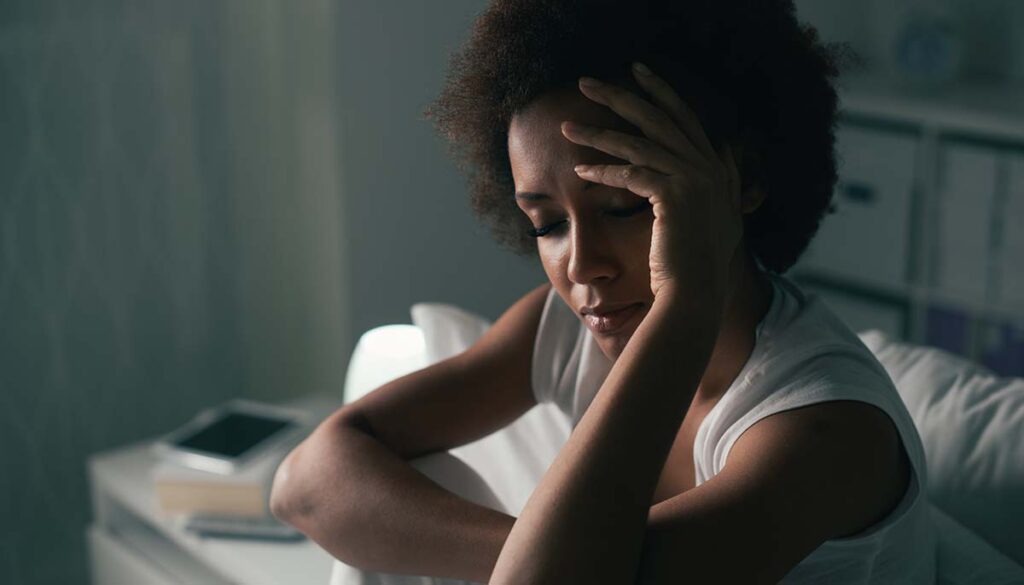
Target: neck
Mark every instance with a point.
(749, 301)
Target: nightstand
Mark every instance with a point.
(132, 543)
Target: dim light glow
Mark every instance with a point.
(381, 355)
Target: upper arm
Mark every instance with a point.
(462, 398)
(792, 481)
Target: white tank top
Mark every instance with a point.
(803, 354)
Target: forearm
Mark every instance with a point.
(371, 509)
(586, 520)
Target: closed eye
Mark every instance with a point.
(543, 231)
(622, 213)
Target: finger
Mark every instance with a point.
(668, 99)
(635, 149)
(640, 180)
(655, 123)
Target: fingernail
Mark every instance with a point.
(641, 68)
(581, 168)
(589, 82)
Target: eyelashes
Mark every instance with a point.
(545, 230)
(542, 231)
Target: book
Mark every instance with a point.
(245, 493)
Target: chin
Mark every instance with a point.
(612, 346)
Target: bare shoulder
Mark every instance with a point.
(844, 457)
(793, 479)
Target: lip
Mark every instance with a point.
(612, 321)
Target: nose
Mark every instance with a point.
(591, 257)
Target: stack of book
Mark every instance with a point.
(245, 493)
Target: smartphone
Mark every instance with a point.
(224, 438)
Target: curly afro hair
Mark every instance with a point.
(753, 74)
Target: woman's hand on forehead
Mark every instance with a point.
(694, 190)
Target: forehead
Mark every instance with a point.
(538, 151)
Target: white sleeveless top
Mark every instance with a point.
(803, 355)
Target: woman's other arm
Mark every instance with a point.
(349, 485)
(586, 521)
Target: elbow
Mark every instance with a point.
(285, 501)
(297, 496)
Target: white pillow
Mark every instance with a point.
(972, 425)
(447, 329)
(513, 459)
(963, 558)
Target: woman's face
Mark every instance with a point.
(597, 249)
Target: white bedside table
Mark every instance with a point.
(132, 543)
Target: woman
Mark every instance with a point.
(727, 427)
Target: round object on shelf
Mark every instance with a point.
(928, 49)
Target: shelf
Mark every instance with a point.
(874, 290)
(979, 109)
(976, 308)
(909, 293)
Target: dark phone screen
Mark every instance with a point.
(233, 433)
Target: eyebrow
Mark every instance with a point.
(531, 196)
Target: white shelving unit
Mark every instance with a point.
(925, 243)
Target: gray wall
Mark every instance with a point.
(410, 233)
(169, 237)
(201, 200)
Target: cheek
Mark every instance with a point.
(636, 245)
(555, 260)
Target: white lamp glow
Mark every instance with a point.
(381, 355)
